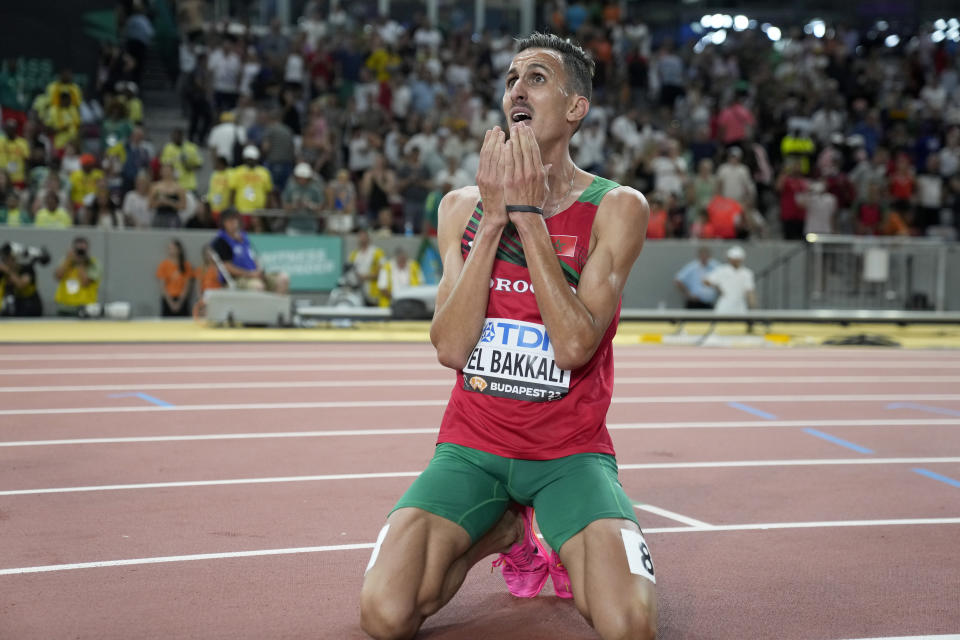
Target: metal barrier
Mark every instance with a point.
(864, 272)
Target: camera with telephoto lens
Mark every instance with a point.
(25, 256)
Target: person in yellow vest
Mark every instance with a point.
(184, 157)
(134, 103)
(83, 181)
(366, 261)
(79, 279)
(14, 152)
(64, 92)
(251, 187)
(218, 190)
(52, 215)
(397, 273)
(62, 112)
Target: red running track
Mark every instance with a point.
(113, 458)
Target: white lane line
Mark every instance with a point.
(225, 436)
(187, 558)
(451, 380)
(313, 352)
(671, 515)
(213, 483)
(367, 404)
(369, 545)
(765, 424)
(954, 636)
(433, 366)
(724, 464)
(321, 351)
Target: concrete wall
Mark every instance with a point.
(130, 259)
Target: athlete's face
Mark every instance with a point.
(536, 92)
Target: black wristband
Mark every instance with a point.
(525, 208)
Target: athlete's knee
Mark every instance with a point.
(387, 618)
(633, 623)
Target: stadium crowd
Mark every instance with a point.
(343, 123)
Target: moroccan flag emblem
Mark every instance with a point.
(564, 245)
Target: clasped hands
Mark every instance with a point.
(511, 173)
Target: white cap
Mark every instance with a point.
(302, 170)
(736, 253)
(250, 152)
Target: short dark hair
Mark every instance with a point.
(576, 61)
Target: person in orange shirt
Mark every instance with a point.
(176, 275)
(724, 215)
(657, 224)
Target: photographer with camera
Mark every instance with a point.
(18, 280)
(79, 279)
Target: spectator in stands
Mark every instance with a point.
(138, 32)
(167, 199)
(304, 199)
(413, 185)
(341, 203)
(218, 189)
(735, 122)
(227, 139)
(198, 93)
(184, 157)
(734, 282)
(18, 283)
(725, 217)
(396, 274)
(52, 215)
(792, 214)
(233, 247)
(251, 187)
(13, 214)
(930, 198)
(176, 275)
(870, 212)
(225, 70)
(690, 281)
(366, 260)
(279, 150)
(83, 182)
(136, 203)
(701, 189)
(735, 180)
(137, 157)
(821, 208)
(78, 279)
(378, 188)
(100, 211)
(14, 152)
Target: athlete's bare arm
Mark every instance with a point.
(465, 286)
(576, 322)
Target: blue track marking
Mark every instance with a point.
(839, 441)
(937, 476)
(923, 407)
(752, 410)
(143, 396)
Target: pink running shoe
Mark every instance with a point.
(524, 566)
(560, 577)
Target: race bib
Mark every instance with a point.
(217, 199)
(12, 166)
(250, 193)
(73, 286)
(514, 359)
